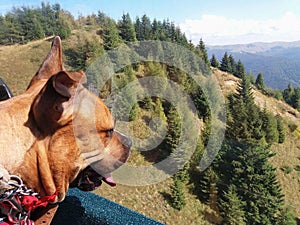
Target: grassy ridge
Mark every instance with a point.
(18, 63)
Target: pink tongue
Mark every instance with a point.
(109, 180)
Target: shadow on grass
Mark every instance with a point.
(167, 197)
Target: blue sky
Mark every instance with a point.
(216, 21)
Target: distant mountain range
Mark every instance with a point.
(279, 62)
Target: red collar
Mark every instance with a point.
(18, 202)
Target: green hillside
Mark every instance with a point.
(261, 143)
(150, 200)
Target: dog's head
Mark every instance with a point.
(81, 143)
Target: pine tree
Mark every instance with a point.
(109, 32)
(247, 167)
(85, 51)
(180, 179)
(292, 96)
(225, 63)
(232, 65)
(201, 51)
(269, 127)
(251, 78)
(201, 103)
(63, 28)
(29, 20)
(280, 129)
(129, 77)
(146, 28)
(243, 161)
(11, 31)
(37, 30)
(172, 32)
(139, 29)
(48, 21)
(240, 69)
(256, 183)
(296, 99)
(177, 194)
(237, 119)
(214, 62)
(244, 91)
(126, 28)
(174, 129)
(260, 83)
(288, 94)
(232, 208)
(206, 185)
(244, 120)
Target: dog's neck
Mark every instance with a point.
(46, 174)
(21, 133)
(35, 169)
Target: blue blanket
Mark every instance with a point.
(85, 208)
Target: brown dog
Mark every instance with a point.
(58, 133)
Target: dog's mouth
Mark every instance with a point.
(89, 180)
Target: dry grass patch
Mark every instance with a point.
(18, 63)
(152, 201)
(288, 155)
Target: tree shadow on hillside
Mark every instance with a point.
(167, 197)
(198, 190)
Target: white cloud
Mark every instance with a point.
(216, 30)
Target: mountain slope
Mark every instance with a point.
(287, 154)
(279, 61)
(228, 83)
(19, 63)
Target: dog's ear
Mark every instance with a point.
(53, 106)
(52, 64)
(66, 82)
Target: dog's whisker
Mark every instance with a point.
(93, 160)
(87, 155)
(92, 157)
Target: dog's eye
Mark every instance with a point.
(109, 132)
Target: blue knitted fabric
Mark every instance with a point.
(85, 208)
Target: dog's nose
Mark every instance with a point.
(124, 140)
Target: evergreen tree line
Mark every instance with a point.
(228, 64)
(142, 28)
(126, 30)
(24, 24)
(241, 176)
